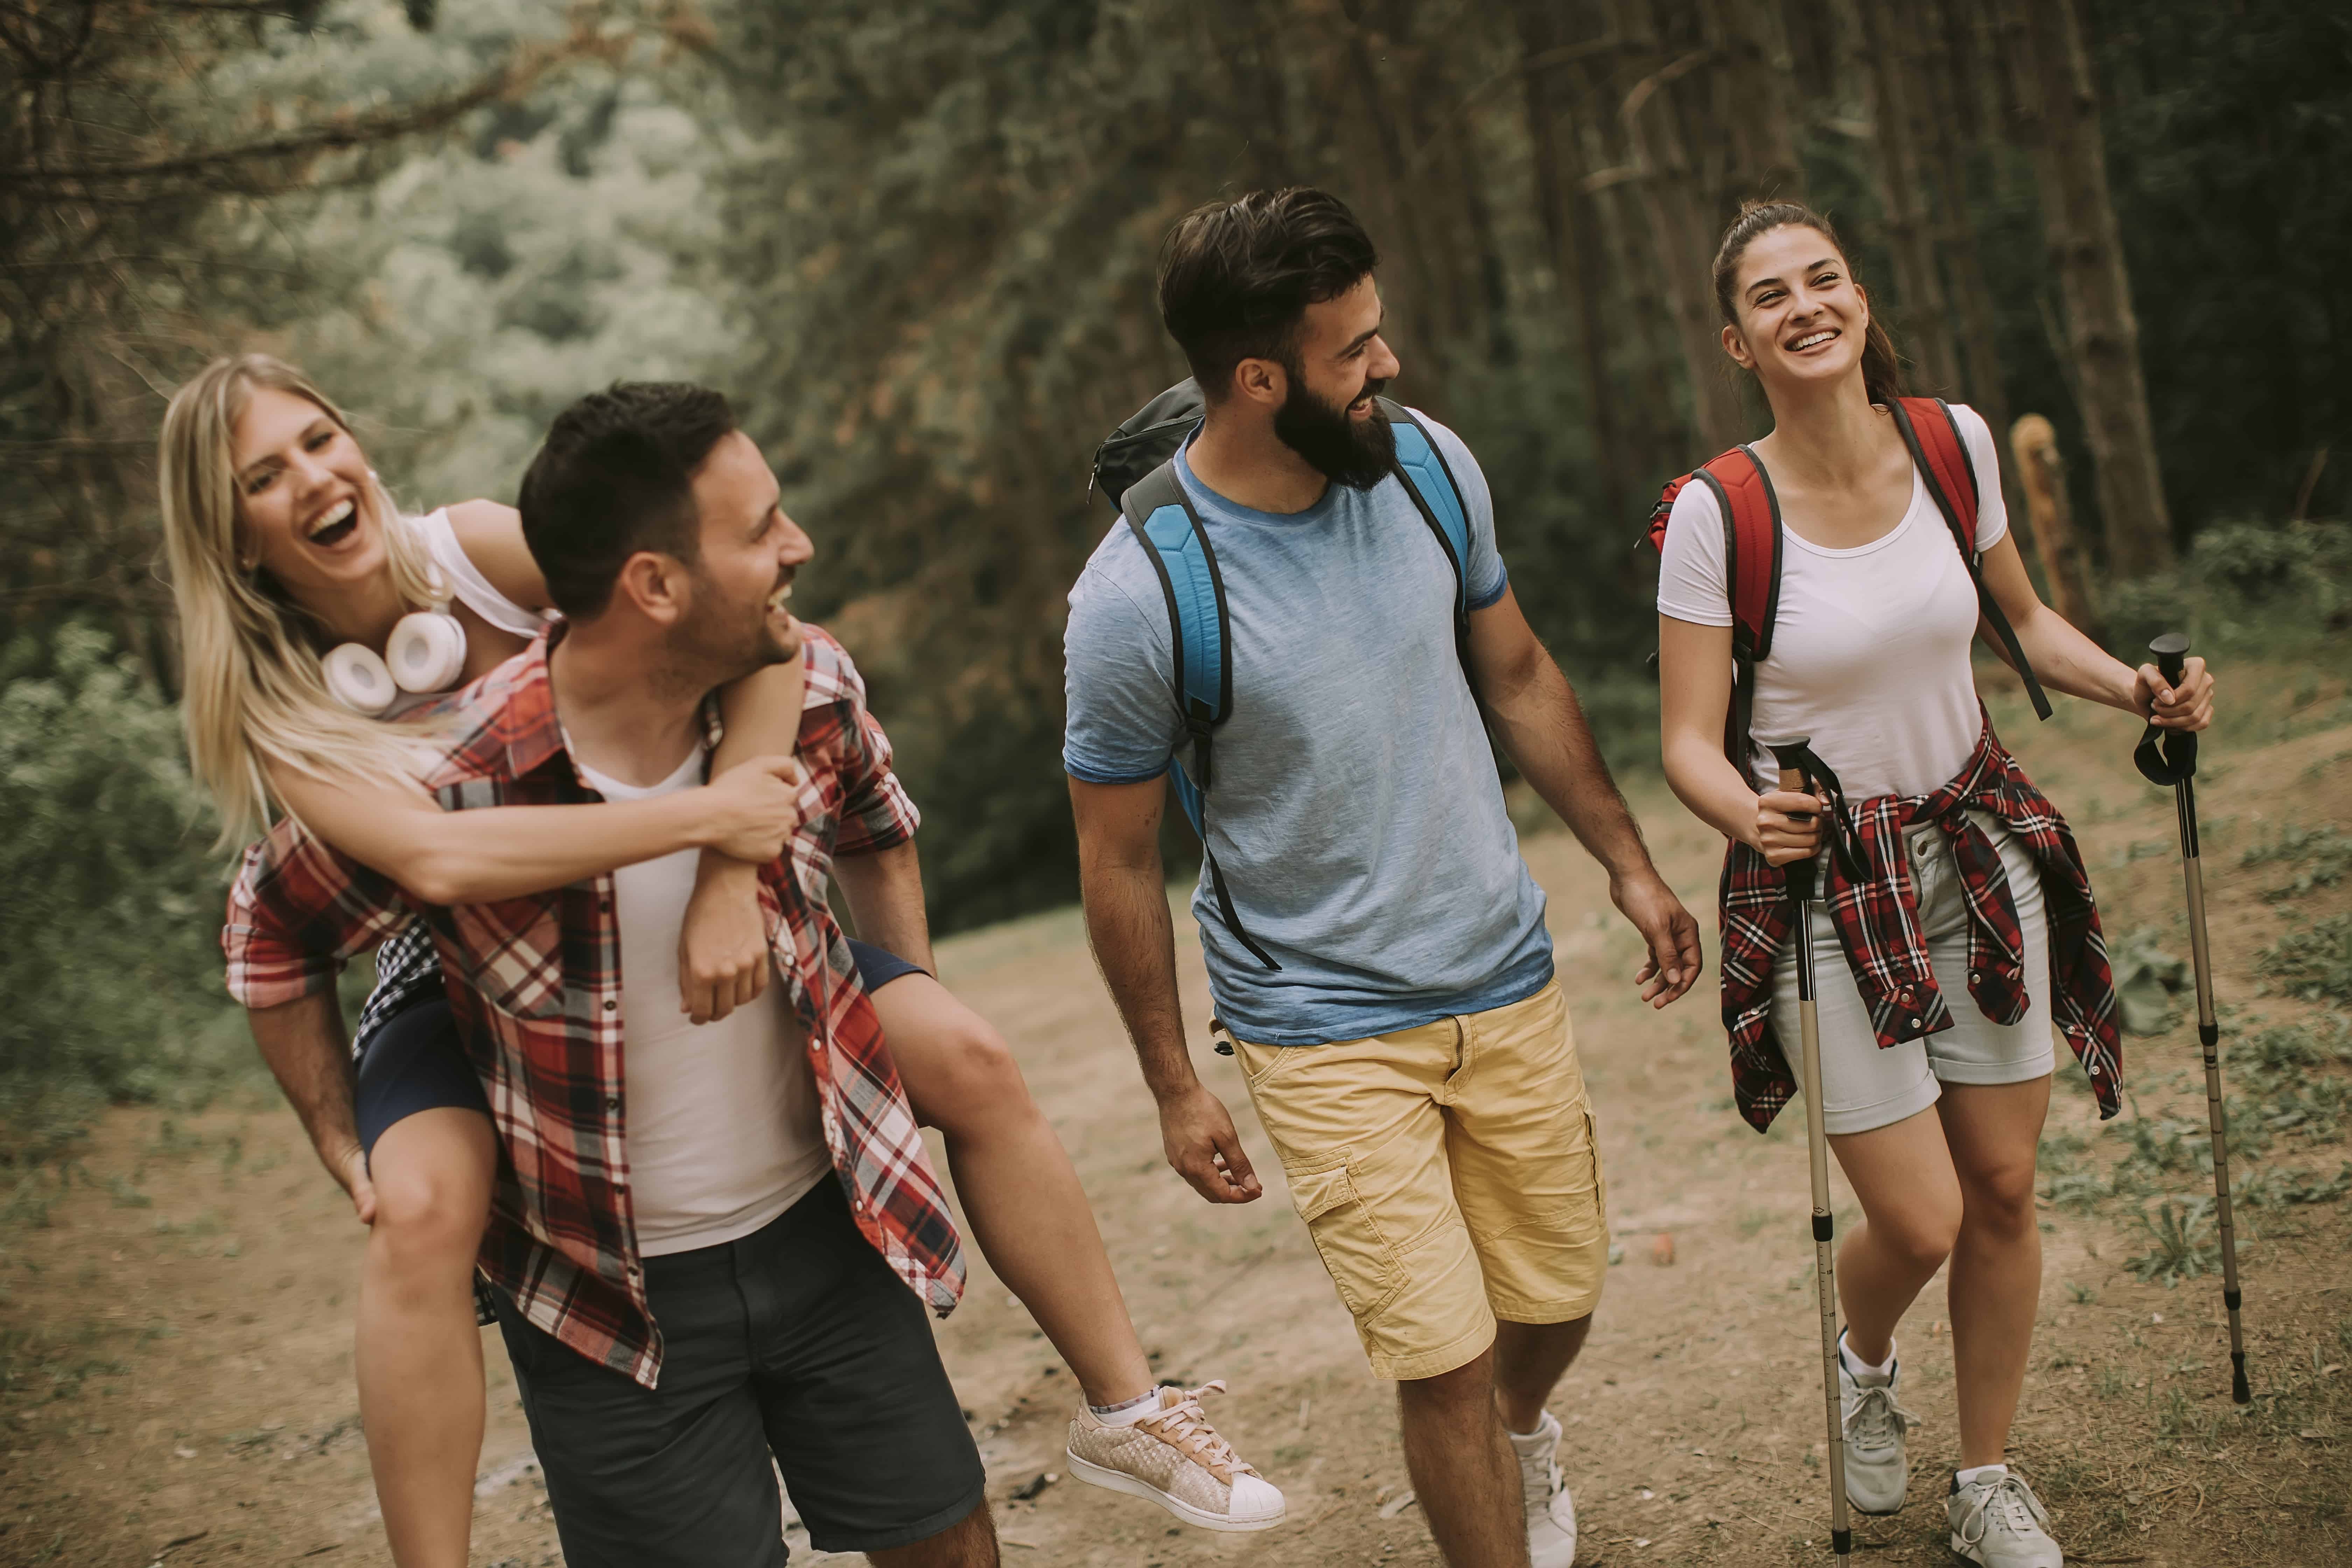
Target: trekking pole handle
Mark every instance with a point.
(1796, 779)
(2171, 652)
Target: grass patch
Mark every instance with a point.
(2314, 963)
(2181, 1240)
(2312, 857)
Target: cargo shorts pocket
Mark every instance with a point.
(1360, 1259)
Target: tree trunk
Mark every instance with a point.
(1954, 69)
(1567, 232)
(2065, 565)
(2053, 70)
(1900, 119)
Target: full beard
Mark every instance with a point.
(709, 650)
(1357, 453)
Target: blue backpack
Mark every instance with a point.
(1135, 469)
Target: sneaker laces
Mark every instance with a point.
(2010, 1503)
(1874, 1419)
(1184, 1427)
(1539, 1503)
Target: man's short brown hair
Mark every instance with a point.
(1236, 276)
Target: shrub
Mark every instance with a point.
(2244, 587)
(109, 928)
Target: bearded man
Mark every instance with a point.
(1376, 948)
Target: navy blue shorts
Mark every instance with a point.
(413, 1062)
(796, 1342)
(877, 967)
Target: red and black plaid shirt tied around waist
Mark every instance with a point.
(535, 989)
(1877, 921)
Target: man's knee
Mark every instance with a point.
(969, 1542)
(1470, 1386)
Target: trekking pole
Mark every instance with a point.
(1795, 758)
(2169, 757)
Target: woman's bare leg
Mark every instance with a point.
(418, 1353)
(1911, 1212)
(1020, 1192)
(1995, 1131)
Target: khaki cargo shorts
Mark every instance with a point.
(1449, 1175)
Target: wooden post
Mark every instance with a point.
(2042, 474)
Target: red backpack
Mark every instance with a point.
(1751, 541)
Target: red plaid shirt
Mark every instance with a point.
(535, 986)
(1877, 921)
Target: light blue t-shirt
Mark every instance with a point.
(1355, 809)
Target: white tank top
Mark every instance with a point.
(466, 582)
(471, 587)
(1870, 645)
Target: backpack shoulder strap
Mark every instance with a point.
(1429, 479)
(1751, 547)
(1932, 433)
(1751, 572)
(1160, 515)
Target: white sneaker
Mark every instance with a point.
(1997, 1522)
(1877, 1467)
(1552, 1513)
(1175, 1459)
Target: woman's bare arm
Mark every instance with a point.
(2065, 660)
(491, 537)
(722, 948)
(1693, 699)
(505, 852)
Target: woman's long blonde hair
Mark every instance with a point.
(254, 692)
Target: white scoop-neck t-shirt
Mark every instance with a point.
(1870, 645)
(720, 1126)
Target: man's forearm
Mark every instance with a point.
(1543, 728)
(884, 891)
(1134, 943)
(309, 1054)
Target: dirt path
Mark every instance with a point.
(175, 1366)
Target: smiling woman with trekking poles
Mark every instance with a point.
(1827, 581)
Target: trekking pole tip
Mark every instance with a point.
(2240, 1393)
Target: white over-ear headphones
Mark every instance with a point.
(427, 652)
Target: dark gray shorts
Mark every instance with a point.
(796, 1340)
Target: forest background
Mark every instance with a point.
(915, 242)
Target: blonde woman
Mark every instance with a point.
(286, 555)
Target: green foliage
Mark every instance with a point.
(108, 951)
(2228, 128)
(2244, 588)
(2313, 856)
(2181, 1242)
(2147, 977)
(2314, 963)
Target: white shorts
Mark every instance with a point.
(1863, 1087)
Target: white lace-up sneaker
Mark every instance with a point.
(1551, 1514)
(1877, 1467)
(1175, 1459)
(1997, 1522)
